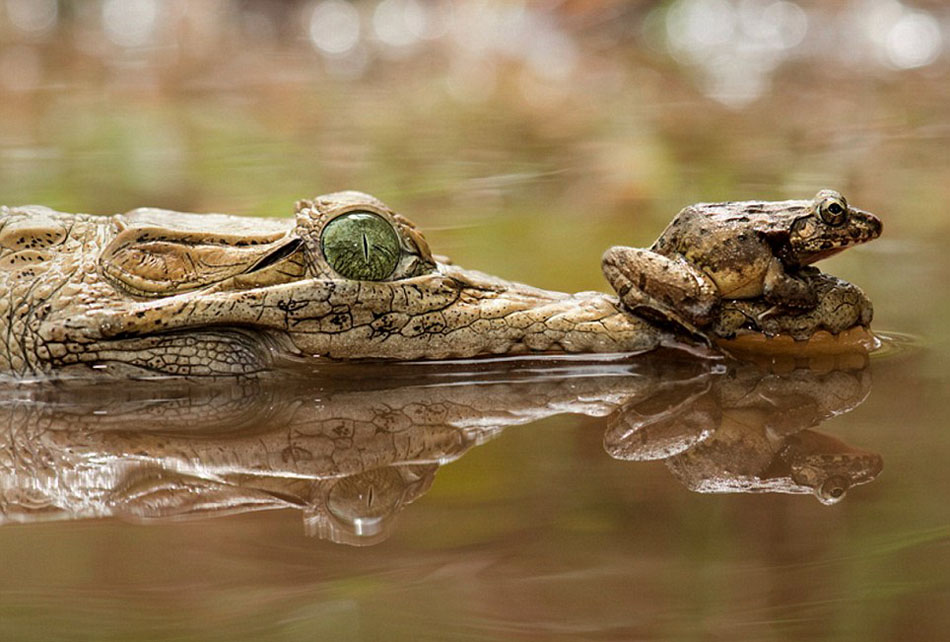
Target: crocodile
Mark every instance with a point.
(157, 292)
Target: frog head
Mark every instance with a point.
(827, 227)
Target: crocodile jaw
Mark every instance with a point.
(453, 313)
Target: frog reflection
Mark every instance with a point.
(352, 455)
(750, 431)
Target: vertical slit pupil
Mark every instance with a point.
(360, 245)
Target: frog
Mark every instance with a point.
(736, 250)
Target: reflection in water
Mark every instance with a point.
(745, 431)
(353, 451)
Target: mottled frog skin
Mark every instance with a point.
(712, 252)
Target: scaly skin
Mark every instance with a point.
(159, 292)
(84, 291)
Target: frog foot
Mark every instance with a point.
(662, 289)
(841, 306)
(786, 290)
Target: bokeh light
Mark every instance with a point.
(400, 23)
(334, 27)
(130, 23)
(914, 40)
(33, 16)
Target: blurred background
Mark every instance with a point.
(524, 137)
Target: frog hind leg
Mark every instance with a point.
(661, 288)
(780, 288)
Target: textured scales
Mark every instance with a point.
(174, 293)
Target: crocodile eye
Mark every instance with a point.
(833, 210)
(361, 246)
(832, 490)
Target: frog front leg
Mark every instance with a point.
(661, 287)
(782, 289)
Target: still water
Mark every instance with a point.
(650, 497)
(609, 498)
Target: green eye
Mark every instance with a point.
(360, 246)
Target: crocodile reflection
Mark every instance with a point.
(353, 452)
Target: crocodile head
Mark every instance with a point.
(347, 277)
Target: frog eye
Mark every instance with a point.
(361, 245)
(833, 210)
